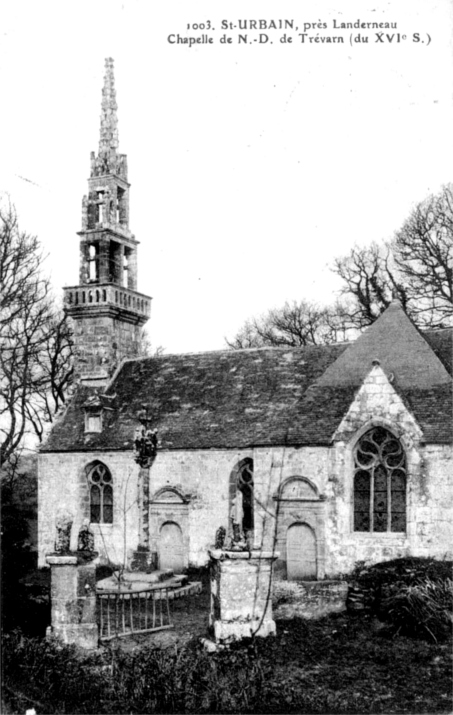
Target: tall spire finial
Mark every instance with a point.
(108, 140)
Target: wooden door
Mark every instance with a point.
(301, 553)
(171, 555)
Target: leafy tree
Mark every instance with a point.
(35, 357)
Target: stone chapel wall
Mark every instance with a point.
(202, 477)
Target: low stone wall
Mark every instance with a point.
(314, 599)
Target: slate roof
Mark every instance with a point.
(401, 349)
(257, 397)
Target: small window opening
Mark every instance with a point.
(93, 262)
(100, 207)
(115, 258)
(93, 423)
(126, 269)
(121, 215)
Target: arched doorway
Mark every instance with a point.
(171, 547)
(301, 553)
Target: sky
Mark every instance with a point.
(253, 164)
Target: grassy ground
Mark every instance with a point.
(340, 664)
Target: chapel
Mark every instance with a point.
(327, 455)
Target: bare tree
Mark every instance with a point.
(293, 325)
(146, 348)
(34, 339)
(416, 266)
(423, 254)
(369, 283)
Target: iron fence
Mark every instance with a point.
(123, 614)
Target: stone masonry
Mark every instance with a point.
(107, 310)
(241, 601)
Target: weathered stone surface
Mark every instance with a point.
(241, 603)
(316, 599)
(73, 601)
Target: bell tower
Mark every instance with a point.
(107, 310)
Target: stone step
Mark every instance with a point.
(153, 577)
(112, 585)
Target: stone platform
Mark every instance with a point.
(138, 582)
(314, 600)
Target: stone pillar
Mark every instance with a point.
(104, 262)
(142, 558)
(73, 600)
(143, 507)
(132, 272)
(241, 595)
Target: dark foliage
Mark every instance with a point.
(408, 570)
(335, 665)
(413, 596)
(423, 610)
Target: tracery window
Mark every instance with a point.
(379, 482)
(101, 494)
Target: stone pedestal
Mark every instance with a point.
(241, 597)
(73, 600)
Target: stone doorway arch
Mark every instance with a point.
(301, 556)
(300, 530)
(169, 528)
(171, 547)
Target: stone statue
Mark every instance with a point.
(86, 537)
(63, 538)
(220, 535)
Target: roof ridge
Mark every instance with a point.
(232, 351)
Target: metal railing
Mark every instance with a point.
(124, 614)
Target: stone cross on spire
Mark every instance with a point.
(109, 121)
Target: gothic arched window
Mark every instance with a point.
(101, 494)
(379, 482)
(241, 497)
(245, 486)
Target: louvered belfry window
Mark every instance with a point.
(101, 494)
(379, 482)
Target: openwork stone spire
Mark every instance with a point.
(109, 121)
(108, 161)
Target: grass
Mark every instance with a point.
(339, 664)
(343, 663)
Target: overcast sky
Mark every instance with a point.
(252, 165)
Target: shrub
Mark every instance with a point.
(420, 610)
(408, 570)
